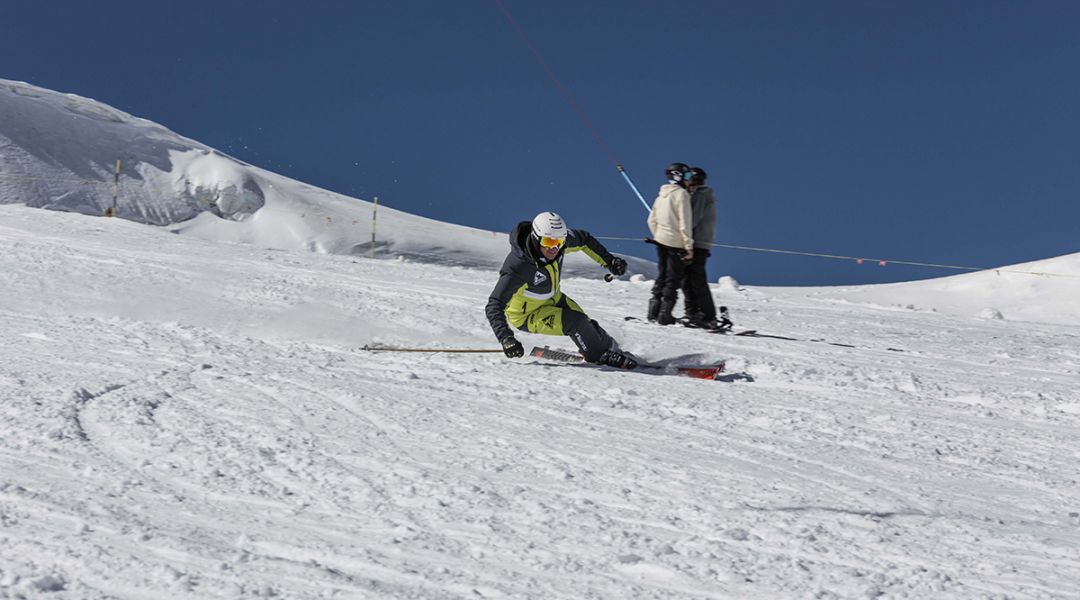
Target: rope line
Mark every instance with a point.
(880, 261)
(50, 179)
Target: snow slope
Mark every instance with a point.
(59, 151)
(1043, 291)
(187, 419)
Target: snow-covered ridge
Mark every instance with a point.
(59, 151)
(1043, 291)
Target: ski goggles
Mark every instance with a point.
(550, 242)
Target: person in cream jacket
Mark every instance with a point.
(671, 224)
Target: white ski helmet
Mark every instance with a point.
(550, 225)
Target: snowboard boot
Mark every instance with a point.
(664, 316)
(696, 320)
(690, 309)
(654, 309)
(619, 360)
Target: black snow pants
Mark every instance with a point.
(671, 269)
(697, 297)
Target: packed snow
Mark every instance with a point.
(190, 419)
(189, 411)
(1043, 291)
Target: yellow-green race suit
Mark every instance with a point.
(528, 297)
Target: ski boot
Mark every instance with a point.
(617, 359)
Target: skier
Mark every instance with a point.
(671, 224)
(697, 297)
(528, 295)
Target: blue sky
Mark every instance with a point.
(941, 132)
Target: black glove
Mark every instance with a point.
(617, 266)
(512, 348)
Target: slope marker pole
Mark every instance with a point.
(111, 211)
(374, 215)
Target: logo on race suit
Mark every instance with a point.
(539, 278)
(580, 341)
(548, 321)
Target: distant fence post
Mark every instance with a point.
(374, 215)
(111, 211)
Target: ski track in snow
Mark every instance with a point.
(183, 419)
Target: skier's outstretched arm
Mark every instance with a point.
(580, 240)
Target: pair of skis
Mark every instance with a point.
(712, 372)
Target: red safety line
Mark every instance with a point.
(562, 88)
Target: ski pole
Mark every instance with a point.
(432, 350)
(626, 176)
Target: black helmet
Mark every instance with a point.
(698, 175)
(677, 172)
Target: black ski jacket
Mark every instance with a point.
(528, 281)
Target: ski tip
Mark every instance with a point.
(702, 372)
(699, 372)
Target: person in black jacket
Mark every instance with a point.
(697, 296)
(528, 297)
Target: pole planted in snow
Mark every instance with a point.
(374, 215)
(431, 350)
(111, 211)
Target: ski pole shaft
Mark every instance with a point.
(629, 182)
(432, 350)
